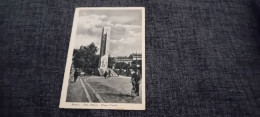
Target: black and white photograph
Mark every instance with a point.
(105, 66)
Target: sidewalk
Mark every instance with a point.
(75, 92)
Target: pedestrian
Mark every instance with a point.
(76, 74)
(105, 74)
(136, 78)
(109, 72)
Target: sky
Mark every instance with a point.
(125, 35)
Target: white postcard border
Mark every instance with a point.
(87, 105)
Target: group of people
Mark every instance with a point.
(135, 80)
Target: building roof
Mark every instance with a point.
(136, 54)
(122, 57)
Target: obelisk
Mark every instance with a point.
(104, 48)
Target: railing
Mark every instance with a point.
(113, 73)
(102, 71)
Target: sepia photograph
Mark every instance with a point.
(105, 66)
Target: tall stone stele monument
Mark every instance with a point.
(104, 48)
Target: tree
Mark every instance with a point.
(86, 58)
(135, 63)
(118, 65)
(139, 62)
(121, 65)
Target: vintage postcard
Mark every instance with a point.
(105, 66)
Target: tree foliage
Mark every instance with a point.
(85, 57)
(121, 65)
(139, 62)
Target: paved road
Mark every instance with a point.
(97, 89)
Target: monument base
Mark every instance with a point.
(103, 70)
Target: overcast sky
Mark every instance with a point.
(125, 35)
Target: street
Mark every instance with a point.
(96, 89)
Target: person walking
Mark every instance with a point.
(105, 74)
(109, 73)
(76, 74)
